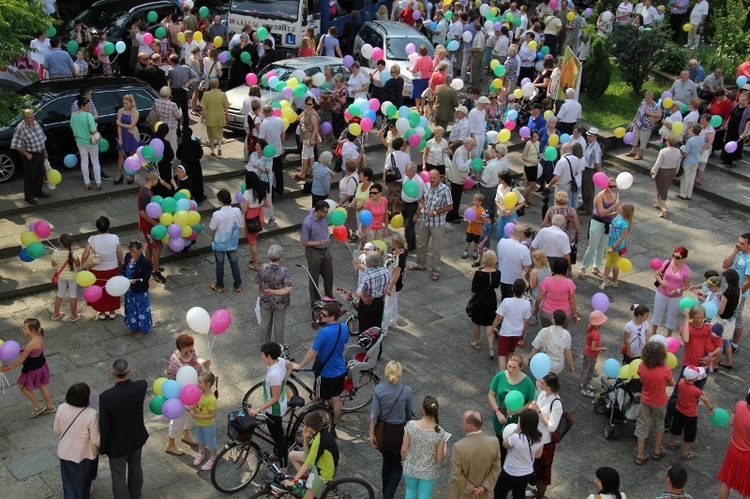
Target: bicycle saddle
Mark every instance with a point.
(295, 401)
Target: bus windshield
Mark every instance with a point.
(267, 9)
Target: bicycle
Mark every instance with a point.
(355, 396)
(344, 488)
(239, 461)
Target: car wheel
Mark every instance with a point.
(146, 135)
(8, 165)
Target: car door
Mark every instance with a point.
(108, 102)
(55, 119)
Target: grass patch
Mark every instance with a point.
(618, 104)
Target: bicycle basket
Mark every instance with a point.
(240, 427)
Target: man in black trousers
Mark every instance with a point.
(123, 433)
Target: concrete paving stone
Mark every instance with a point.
(53, 478)
(33, 462)
(33, 486)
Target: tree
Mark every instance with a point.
(730, 37)
(637, 52)
(597, 71)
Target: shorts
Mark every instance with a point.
(681, 422)
(215, 132)
(151, 242)
(507, 344)
(531, 172)
(327, 388)
(472, 238)
(206, 435)
(308, 152)
(651, 416)
(67, 284)
(314, 483)
(613, 260)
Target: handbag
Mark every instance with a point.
(56, 277)
(93, 260)
(153, 116)
(661, 272)
(203, 85)
(563, 427)
(392, 173)
(318, 366)
(474, 299)
(379, 430)
(253, 225)
(95, 137)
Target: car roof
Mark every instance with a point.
(49, 88)
(395, 29)
(132, 4)
(306, 62)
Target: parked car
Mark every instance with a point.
(392, 37)
(283, 70)
(52, 100)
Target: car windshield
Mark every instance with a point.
(283, 73)
(267, 9)
(396, 48)
(111, 20)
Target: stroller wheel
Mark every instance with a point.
(609, 432)
(600, 407)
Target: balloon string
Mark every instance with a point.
(210, 344)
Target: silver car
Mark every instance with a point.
(392, 37)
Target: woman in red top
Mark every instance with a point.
(378, 206)
(733, 473)
(407, 15)
(655, 377)
(421, 72)
(720, 106)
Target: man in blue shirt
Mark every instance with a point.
(739, 260)
(58, 62)
(315, 238)
(536, 120)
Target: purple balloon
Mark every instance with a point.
(628, 138)
(498, 26)
(174, 230)
(348, 61)
(666, 95)
(176, 244)
(508, 228)
(326, 128)
(525, 132)
(158, 146)
(525, 81)
(153, 210)
(172, 409)
(239, 197)
(730, 146)
(223, 57)
(416, 15)
(316, 92)
(133, 163)
(9, 350)
(470, 214)
(600, 302)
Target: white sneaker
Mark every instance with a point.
(588, 393)
(198, 459)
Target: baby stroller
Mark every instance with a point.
(621, 401)
(347, 306)
(524, 107)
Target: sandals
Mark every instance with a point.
(689, 455)
(674, 446)
(435, 277)
(58, 316)
(582, 275)
(238, 290)
(663, 214)
(216, 288)
(74, 318)
(658, 455)
(640, 460)
(476, 345)
(597, 272)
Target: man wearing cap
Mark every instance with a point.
(478, 121)
(457, 174)
(461, 129)
(569, 113)
(536, 120)
(683, 89)
(712, 83)
(446, 103)
(739, 260)
(553, 241)
(410, 206)
(593, 159)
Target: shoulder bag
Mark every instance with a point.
(573, 183)
(203, 85)
(56, 277)
(392, 173)
(564, 426)
(318, 366)
(94, 258)
(253, 226)
(153, 116)
(71, 423)
(664, 268)
(379, 430)
(474, 299)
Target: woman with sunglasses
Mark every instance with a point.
(378, 206)
(606, 206)
(673, 279)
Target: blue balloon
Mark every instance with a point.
(564, 138)
(70, 160)
(711, 309)
(539, 56)
(127, 170)
(365, 217)
(540, 365)
(183, 204)
(452, 46)
(512, 114)
(25, 257)
(171, 389)
(424, 122)
(433, 25)
(120, 47)
(611, 368)
(370, 114)
(403, 112)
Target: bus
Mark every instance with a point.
(287, 20)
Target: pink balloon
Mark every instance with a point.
(277, 112)
(469, 183)
(673, 344)
(139, 153)
(148, 38)
(251, 79)
(656, 263)
(730, 146)
(377, 54)
(220, 321)
(270, 74)
(190, 395)
(348, 115)
(601, 180)
(414, 139)
(425, 175)
(410, 48)
(42, 229)
(510, 125)
(470, 214)
(92, 293)
(374, 104)
(193, 205)
(366, 124)
(553, 4)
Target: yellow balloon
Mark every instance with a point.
(181, 218)
(54, 177)
(625, 265)
(292, 82)
(156, 126)
(166, 218)
(198, 36)
(158, 382)
(29, 237)
(678, 128)
(186, 231)
(553, 139)
(497, 83)
(687, 27)
(667, 103)
(518, 93)
(181, 37)
(380, 245)
(194, 218)
(633, 367)
(185, 192)
(85, 278)
(286, 123)
(165, 239)
(218, 41)
(447, 2)
(619, 132)
(510, 200)
(285, 104)
(494, 63)
(671, 360)
(289, 115)
(624, 371)
(570, 16)
(355, 129)
(397, 221)
(504, 135)
(494, 11)
(548, 114)
(532, 44)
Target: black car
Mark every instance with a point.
(53, 99)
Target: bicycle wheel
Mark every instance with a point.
(352, 400)
(254, 396)
(325, 412)
(235, 467)
(353, 324)
(349, 488)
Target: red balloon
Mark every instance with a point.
(340, 233)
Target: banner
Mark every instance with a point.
(570, 75)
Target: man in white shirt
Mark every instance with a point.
(478, 121)
(564, 171)
(553, 240)
(224, 227)
(457, 174)
(400, 158)
(272, 131)
(512, 258)
(697, 18)
(650, 14)
(569, 113)
(441, 32)
(187, 46)
(410, 206)
(477, 54)
(461, 129)
(500, 49)
(455, 33)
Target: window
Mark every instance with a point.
(369, 35)
(57, 111)
(107, 102)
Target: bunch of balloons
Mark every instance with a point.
(173, 394)
(179, 220)
(151, 153)
(201, 322)
(31, 241)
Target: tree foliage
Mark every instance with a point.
(637, 51)
(731, 40)
(19, 20)
(597, 72)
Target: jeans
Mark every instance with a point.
(77, 477)
(507, 483)
(417, 488)
(206, 435)
(597, 246)
(501, 223)
(219, 256)
(391, 472)
(130, 487)
(672, 402)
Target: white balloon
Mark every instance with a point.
(488, 25)
(402, 125)
(188, 4)
(366, 51)
(509, 430)
(420, 131)
(492, 136)
(539, 66)
(331, 204)
(528, 90)
(539, 171)
(318, 79)
(384, 106)
(457, 83)
(187, 375)
(299, 74)
(659, 339)
(198, 320)
(483, 10)
(624, 180)
(466, 36)
(117, 285)
(413, 56)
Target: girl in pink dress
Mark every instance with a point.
(35, 371)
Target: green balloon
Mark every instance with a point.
(413, 119)
(684, 109)
(156, 403)
(353, 109)
(391, 110)
(499, 70)
(422, 144)
(517, 22)
(72, 47)
(545, 50)
(203, 12)
(262, 33)
(148, 153)
(51, 31)
(269, 151)
(477, 165)
(280, 86)
(157, 199)
(159, 231)
(448, 16)
(550, 153)
(179, 195)
(720, 417)
(411, 188)
(409, 133)
(109, 48)
(104, 145)
(338, 217)
(243, 187)
(35, 250)
(264, 81)
(245, 57)
(493, 88)
(276, 105)
(716, 121)
(687, 302)
(427, 133)
(152, 16)
(160, 32)
(198, 228)
(300, 90)
(169, 205)
(509, 17)
(513, 400)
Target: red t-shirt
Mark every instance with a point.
(654, 383)
(687, 398)
(592, 334)
(697, 345)
(144, 198)
(741, 427)
(713, 343)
